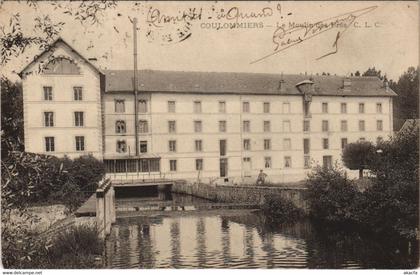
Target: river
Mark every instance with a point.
(239, 239)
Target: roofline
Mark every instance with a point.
(240, 93)
(49, 48)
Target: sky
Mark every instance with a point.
(380, 34)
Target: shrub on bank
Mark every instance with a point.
(278, 209)
(76, 247)
(331, 195)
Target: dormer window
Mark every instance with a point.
(61, 65)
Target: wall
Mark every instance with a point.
(242, 194)
(63, 105)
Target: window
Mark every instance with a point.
(267, 127)
(266, 107)
(120, 127)
(344, 126)
(267, 162)
(119, 106)
(198, 145)
(286, 125)
(327, 162)
(197, 106)
(121, 146)
(48, 95)
(362, 139)
(287, 144)
(61, 65)
(379, 108)
(142, 106)
(286, 107)
(307, 162)
(222, 126)
(197, 126)
(245, 107)
(222, 147)
(48, 119)
(361, 125)
(171, 106)
(78, 119)
(143, 126)
(172, 146)
(343, 108)
(361, 108)
(246, 125)
(325, 107)
(287, 162)
(222, 107)
(172, 126)
(199, 164)
(306, 110)
(325, 126)
(306, 146)
(49, 144)
(267, 144)
(172, 165)
(143, 146)
(78, 93)
(343, 143)
(379, 125)
(325, 143)
(247, 144)
(80, 143)
(306, 126)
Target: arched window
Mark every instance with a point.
(120, 126)
(61, 65)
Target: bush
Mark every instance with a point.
(278, 209)
(331, 195)
(75, 247)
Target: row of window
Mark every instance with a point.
(198, 145)
(197, 107)
(77, 93)
(50, 144)
(120, 126)
(78, 119)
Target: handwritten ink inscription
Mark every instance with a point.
(172, 28)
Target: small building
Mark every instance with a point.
(199, 126)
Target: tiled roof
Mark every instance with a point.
(240, 83)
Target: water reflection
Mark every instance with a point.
(241, 239)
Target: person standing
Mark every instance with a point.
(261, 177)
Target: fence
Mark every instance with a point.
(105, 207)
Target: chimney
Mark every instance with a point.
(281, 83)
(346, 84)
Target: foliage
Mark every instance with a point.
(373, 72)
(358, 155)
(389, 205)
(75, 247)
(278, 209)
(331, 195)
(11, 116)
(407, 88)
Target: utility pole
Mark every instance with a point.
(135, 83)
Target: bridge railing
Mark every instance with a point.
(105, 207)
(139, 177)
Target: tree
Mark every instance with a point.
(357, 73)
(373, 72)
(358, 156)
(11, 117)
(407, 88)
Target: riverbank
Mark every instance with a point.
(243, 193)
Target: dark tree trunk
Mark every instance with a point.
(360, 173)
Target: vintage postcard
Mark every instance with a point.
(209, 134)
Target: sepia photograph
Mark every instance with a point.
(209, 135)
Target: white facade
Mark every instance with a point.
(181, 132)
